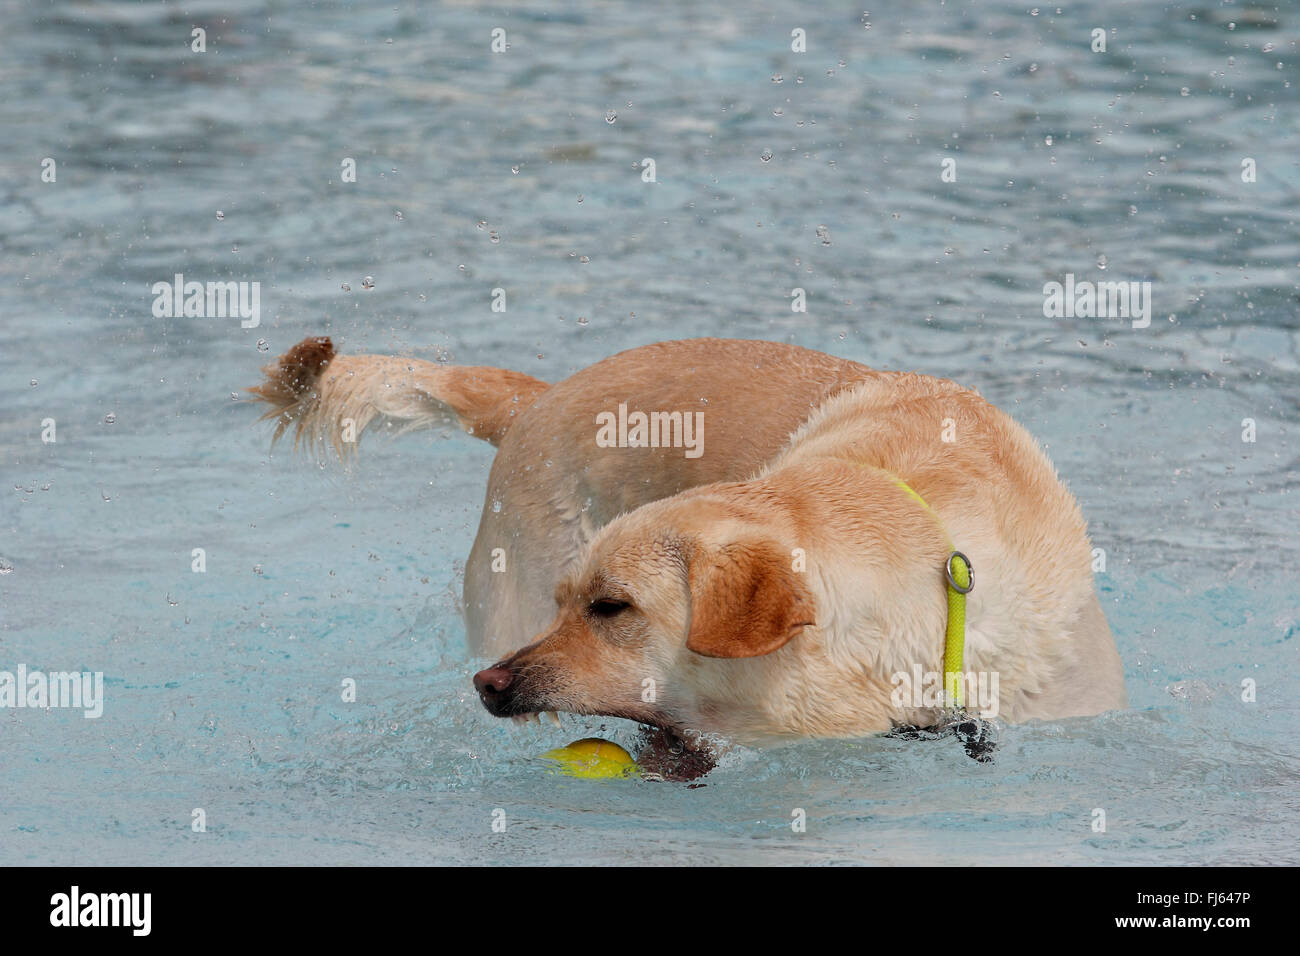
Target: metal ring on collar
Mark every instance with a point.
(970, 571)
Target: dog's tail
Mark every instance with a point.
(329, 399)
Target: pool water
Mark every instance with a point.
(524, 170)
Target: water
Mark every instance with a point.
(223, 688)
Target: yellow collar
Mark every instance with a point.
(961, 581)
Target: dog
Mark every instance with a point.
(745, 541)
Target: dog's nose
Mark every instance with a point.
(492, 681)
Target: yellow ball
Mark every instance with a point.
(592, 758)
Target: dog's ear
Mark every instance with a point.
(746, 601)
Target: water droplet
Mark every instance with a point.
(262, 345)
(493, 236)
(584, 259)
(496, 507)
(824, 235)
(1102, 261)
(611, 117)
(778, 111)
(1047, 141)
(346, 287)
(515, 170)
(368, 283)
(110, 418)
(777, 78)
(220, 215)
(1184, 92)
(33, 383)
(580, 198)
(399, 215)
(482, 224)
(582, 320)
(765, 155)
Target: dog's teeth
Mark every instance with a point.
(554, 718)
(532, 718)
(519, 720)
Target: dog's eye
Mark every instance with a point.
(608, 608)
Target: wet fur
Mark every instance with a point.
(800, 452)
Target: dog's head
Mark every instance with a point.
(673, 620)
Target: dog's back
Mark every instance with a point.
(1034, 614)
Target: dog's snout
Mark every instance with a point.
(492, 681)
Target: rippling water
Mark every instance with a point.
(223, 687)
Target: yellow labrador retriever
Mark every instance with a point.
(746, 539)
